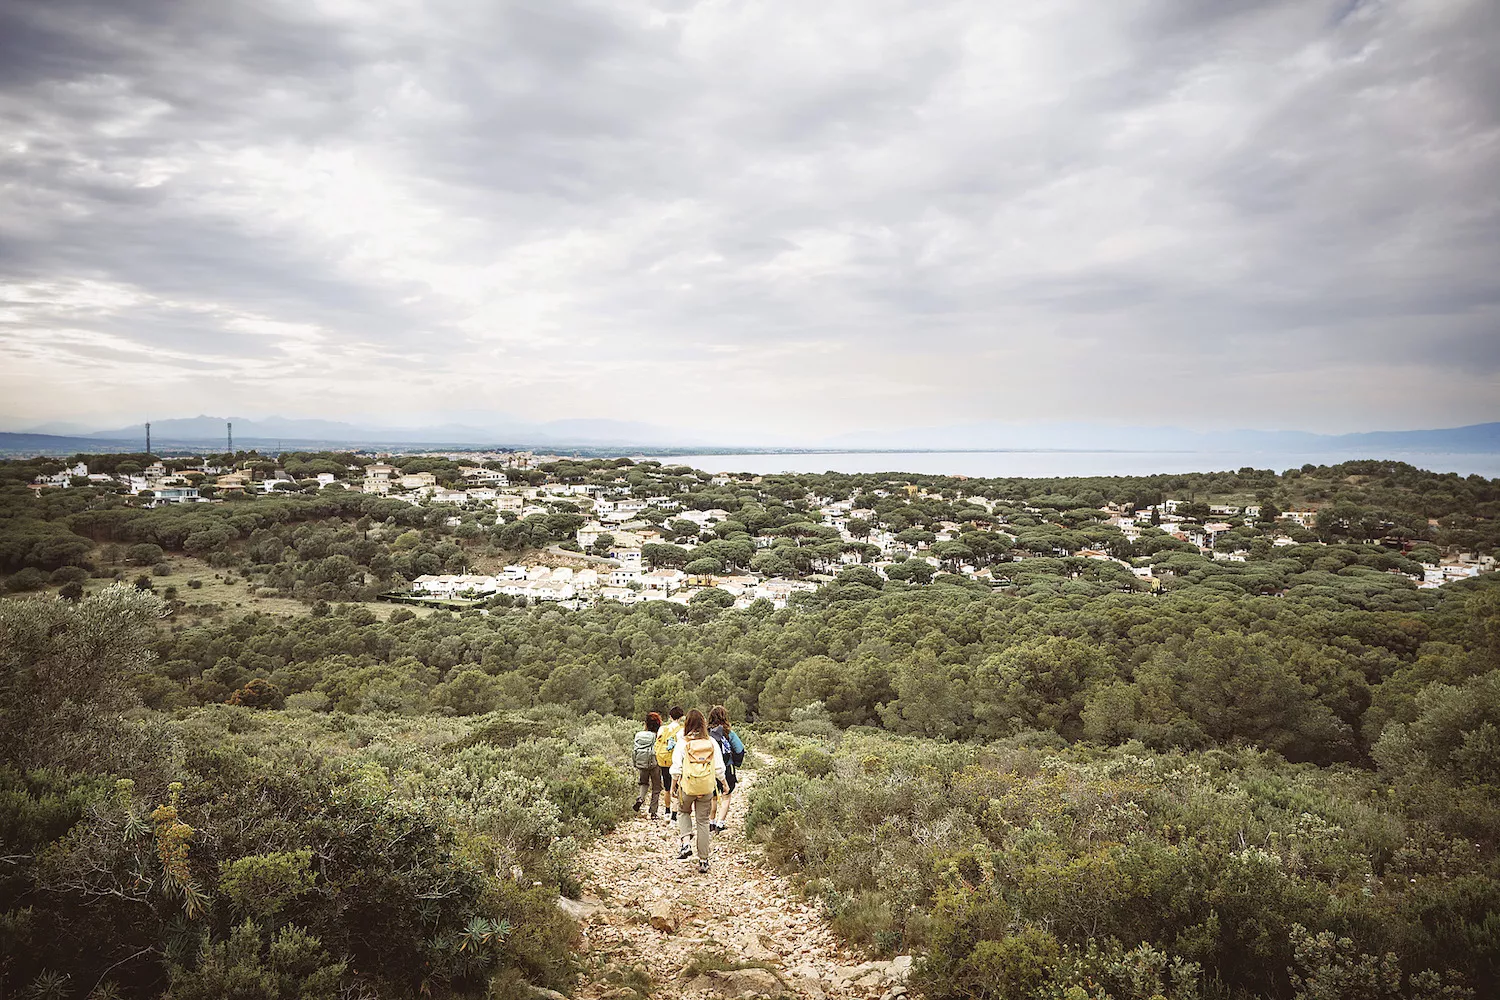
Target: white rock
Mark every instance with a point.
(737, 983)
(665, 916)
(754, 947)
(579, 909)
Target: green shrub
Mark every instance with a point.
(261, 885)
(67, 574)
(258, 693)
(29, 578)
(247, 966)
(144, 554)
(814, 762)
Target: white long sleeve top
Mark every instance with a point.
(678, 757)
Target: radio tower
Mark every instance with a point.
(229, 432)
(148, 437)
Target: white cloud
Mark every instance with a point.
(795, 219)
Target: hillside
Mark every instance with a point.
(1012, 729)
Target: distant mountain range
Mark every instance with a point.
(205, 432)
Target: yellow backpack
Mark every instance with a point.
(666, 742)
(698, 768)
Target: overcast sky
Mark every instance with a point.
(801, 217)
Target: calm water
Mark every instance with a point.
(1023, 464)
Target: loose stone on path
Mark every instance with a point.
(641, 907)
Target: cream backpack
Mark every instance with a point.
(698, 767)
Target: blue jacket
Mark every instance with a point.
(732, 747)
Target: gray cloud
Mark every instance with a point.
(850, 214)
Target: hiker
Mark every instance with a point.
(733, 751)
(648, 772)
(697, 770)
(666, 743)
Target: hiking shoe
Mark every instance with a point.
(674, 817)
(638, 804)
(703, 867)
(684, 852)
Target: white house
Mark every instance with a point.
(704, 518)
(736, 585)
(624, 576)
(177, 494)
(450, 585)
(622, 594)
(1447, 573)
(664, 579)
(589, 533)
(551, 590)
(622, 510)
(487, 477)
(777, 590)
(1213, 530)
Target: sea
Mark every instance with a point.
(1048, 464)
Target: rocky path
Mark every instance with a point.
(739, 931)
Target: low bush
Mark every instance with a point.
(1027, 869)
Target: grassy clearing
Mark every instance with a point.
(219, 591)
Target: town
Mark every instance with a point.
(633, 530)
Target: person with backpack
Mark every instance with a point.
(648, 772)
(733, 751)
(666, 744)
(697, 772)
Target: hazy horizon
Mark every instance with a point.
(966, 437)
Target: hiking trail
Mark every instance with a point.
(644, 911)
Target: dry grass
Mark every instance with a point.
(216, 588)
